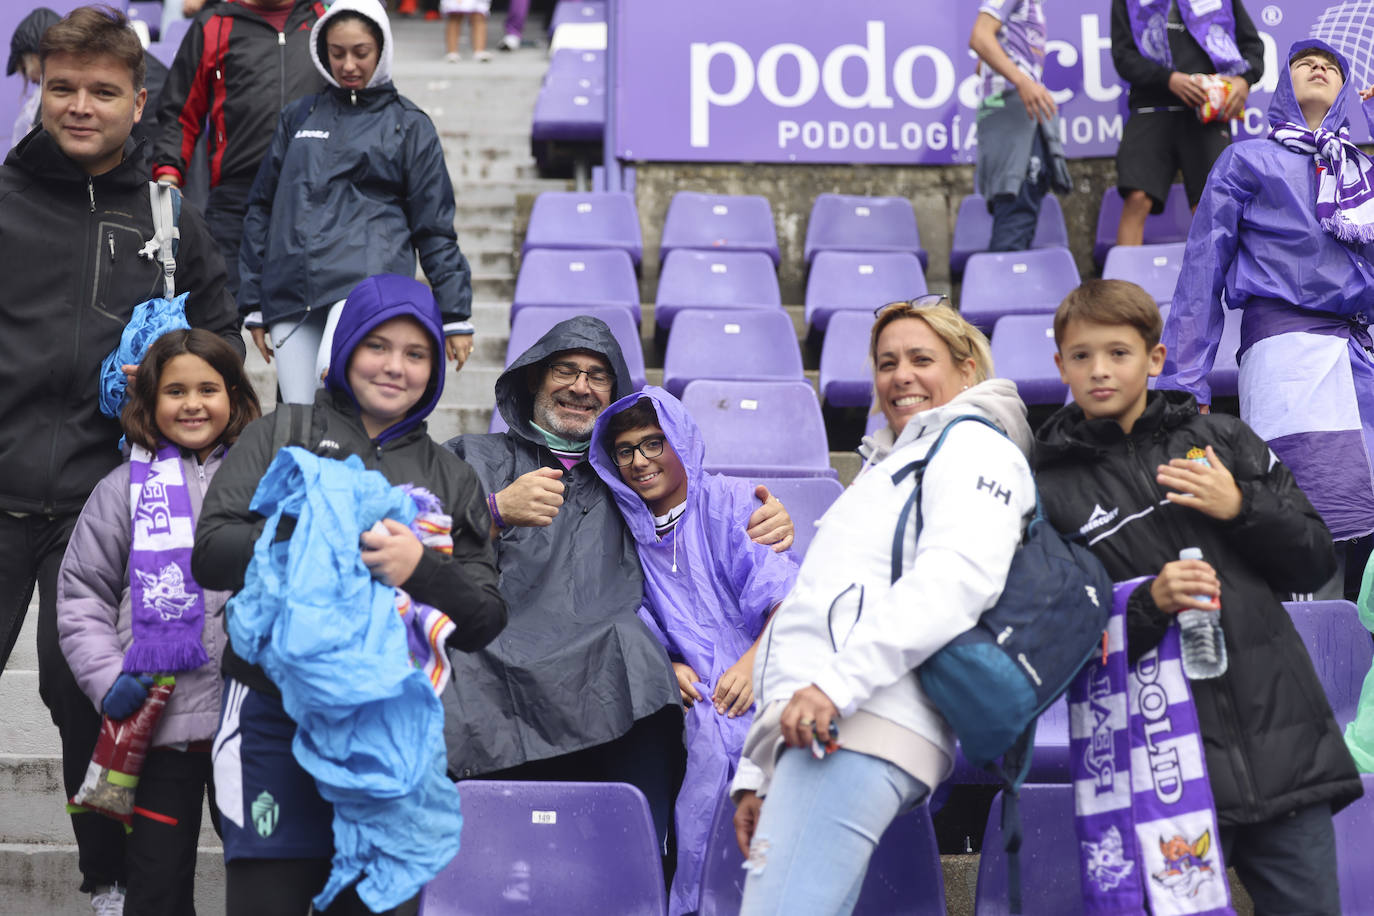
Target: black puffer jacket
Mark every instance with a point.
(69, 247)
(576, 666)
(1271, 742)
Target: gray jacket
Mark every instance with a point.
(94, 615)
(575, 666)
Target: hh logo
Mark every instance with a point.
(266, 812)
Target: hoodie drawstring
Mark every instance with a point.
(674, 553)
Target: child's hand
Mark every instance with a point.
(125, 696)
(686, 683)
(1179, 583)
(1208, 488)
(770, 525)
(734, 692)
(391, 555)
(747, 819)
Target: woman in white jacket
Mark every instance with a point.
(843, 647)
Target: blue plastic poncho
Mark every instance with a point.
(150, 320)
(370, 728)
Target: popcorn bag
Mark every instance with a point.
(112, 777)
(1218, 93)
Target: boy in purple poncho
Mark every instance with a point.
(708, 590)
(1285, 233)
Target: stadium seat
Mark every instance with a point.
(575, 848)
(534, 321)
(1049, 860)
(875, 422)
(150, 13)
(973, 229)
(846, 372)
(715, 280)
(1354, 850)
(1340, 648)
(745, 344)
(570, 11)
(806, 499)
(1153, 267)
(859, 281)
(164, 52)
(729, 222)
(760, 429)
(904, 876)
(1015, 283)
(571, 106)
(1169, 226)
(844, 222)
(574, 279)
(1023, 351)
(175, 32)
(585, 219)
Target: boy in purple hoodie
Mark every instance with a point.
(708, 590)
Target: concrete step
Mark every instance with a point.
(496, 190)
(25, 728)
(42, 880)
(25, 654)
(461, 170)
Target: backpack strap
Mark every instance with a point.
(165, 201)
(288, 425)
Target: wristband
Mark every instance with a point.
(496, 513)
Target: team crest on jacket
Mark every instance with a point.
(166, 592)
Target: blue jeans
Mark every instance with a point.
(820, 823)
(1014, 218)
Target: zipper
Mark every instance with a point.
(353, 96)
(109, 240)
(90, 192)
(281, 65)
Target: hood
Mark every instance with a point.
(1068, 432)
(1283, 106)
(27, 35)
(682, 434)
(374, 301)
(369, 9)
(995, 398)
(514, 399)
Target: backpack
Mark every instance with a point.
(992, 682)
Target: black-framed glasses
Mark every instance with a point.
(650, 448)
(567, 373)
(925, 301)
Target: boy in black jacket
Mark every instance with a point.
(1141, 475)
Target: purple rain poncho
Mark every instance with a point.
(707, 592)
(1306, 375)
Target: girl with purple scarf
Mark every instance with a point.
(128, 606)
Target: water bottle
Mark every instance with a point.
(1203, 646)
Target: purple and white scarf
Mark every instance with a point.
(1345, 179)
(1212, 23)
(1143, 807)
(168, 606)
(427, 628)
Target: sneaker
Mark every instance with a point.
(452, 57)
(108, 901)
(482, 56)
(432, 16)
(510, 43)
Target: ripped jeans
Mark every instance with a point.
(820, 823)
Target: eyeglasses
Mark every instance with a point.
(650, 448)
(918, 303)
(567, 373)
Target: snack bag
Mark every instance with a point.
(112, 777)
(1218, 92)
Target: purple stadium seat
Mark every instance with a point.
(1169, 226)
(574, 279)
(1015, 283)
(551, 847)
(1153, 267)
(730, 222)
(715, 280)
(176, 30)
(163, 51)
(875, 422)
(150, 13)
(744, 344)
(1049, 860)
(1354, 851)
(1049, 763)
(846, 374)
(806, 499)
(843, 222)
(1340, 649)
(533, 321)
(570, 11)
(1023, 351)
(571, 106)
(760, 429)
(859, 281)
(904, 876)
(973, 229)
(585, 219)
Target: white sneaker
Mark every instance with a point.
(452, 57)
(482, 57)
(510, 43)
(108, 901)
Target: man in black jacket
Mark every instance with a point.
(75, 213)
(1154, 49)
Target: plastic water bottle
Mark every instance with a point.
(1203, 646)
